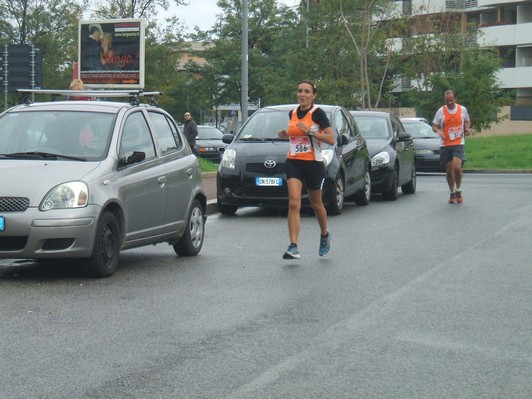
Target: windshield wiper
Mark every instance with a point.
(250, 139)
(43, 155)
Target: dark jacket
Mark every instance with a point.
(190, 131)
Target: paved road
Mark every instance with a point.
(418, 299)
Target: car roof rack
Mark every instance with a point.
(133, 95)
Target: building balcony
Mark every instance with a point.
(492, 3)
(506, 35)
(515, 78)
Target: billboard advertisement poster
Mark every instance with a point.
(111, 53)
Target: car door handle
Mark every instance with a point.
(161, 180)
(190, 171)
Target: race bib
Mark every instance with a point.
(300, 145)
(455, 132)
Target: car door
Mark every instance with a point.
(348, 150)
(362, 154)
(179, 165)
(405, 151)
(142, 184)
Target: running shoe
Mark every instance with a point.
(459, 197)
(325, 244)
(292, 252)
(452, 199)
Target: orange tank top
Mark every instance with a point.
(453, 127)
(303, 147)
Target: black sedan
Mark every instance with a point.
(427, 144)
(392, 153)
(209, 144)
(252, 172)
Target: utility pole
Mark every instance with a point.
(244, 95)
(306, 22)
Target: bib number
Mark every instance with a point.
(455, 133)
(300, 145)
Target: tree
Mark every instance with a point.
(438, 55)
(365, 22)
(52, 24)
(114, 9)
(269, 47)
(475, 85)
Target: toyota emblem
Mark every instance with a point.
(270, 164)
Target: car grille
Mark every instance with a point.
(262, 170)
(14, 204)
(12, 243)
(55, 244)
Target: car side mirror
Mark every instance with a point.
(343, 139)
(228, 138)
(403, 136)
(136, 157)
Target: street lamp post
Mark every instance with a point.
(244, 94)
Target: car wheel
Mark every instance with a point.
(227, 209)
(337, 202)
(106, 250)
(363, 197)
(391, 194)
(410, 187)
(192, 240)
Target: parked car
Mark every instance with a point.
(426, 143)
(85, 179)
(209, 144)
(392, 153)
(252, 170)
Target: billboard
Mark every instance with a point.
(111, 53)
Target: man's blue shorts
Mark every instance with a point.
(453, 151)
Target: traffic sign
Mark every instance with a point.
(20, 67)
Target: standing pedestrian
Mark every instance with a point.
(308, 126)
(452, 124)
(190, 130)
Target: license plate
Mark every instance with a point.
(269, 181)
(2, 223)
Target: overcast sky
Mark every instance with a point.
(202, 13)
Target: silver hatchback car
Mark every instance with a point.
(86, 179)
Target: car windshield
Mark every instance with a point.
(209, 133)
(373, 127)
(264, 125)
(420, 130)
(55, 134)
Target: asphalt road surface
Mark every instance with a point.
(417, 299)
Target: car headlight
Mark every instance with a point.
(327, 156)
(228, 159)
(207, 149)
(381, 159)
(74, 194)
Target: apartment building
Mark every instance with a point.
(503, 24)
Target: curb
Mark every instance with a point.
(212, 207)
(502, 171)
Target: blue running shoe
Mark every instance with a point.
(325, 244)
(292, 252)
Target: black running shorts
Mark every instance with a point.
(312, 173)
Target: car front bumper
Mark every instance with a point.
(429, 163)
(381, 179)
(231, 190)
(65, 233)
